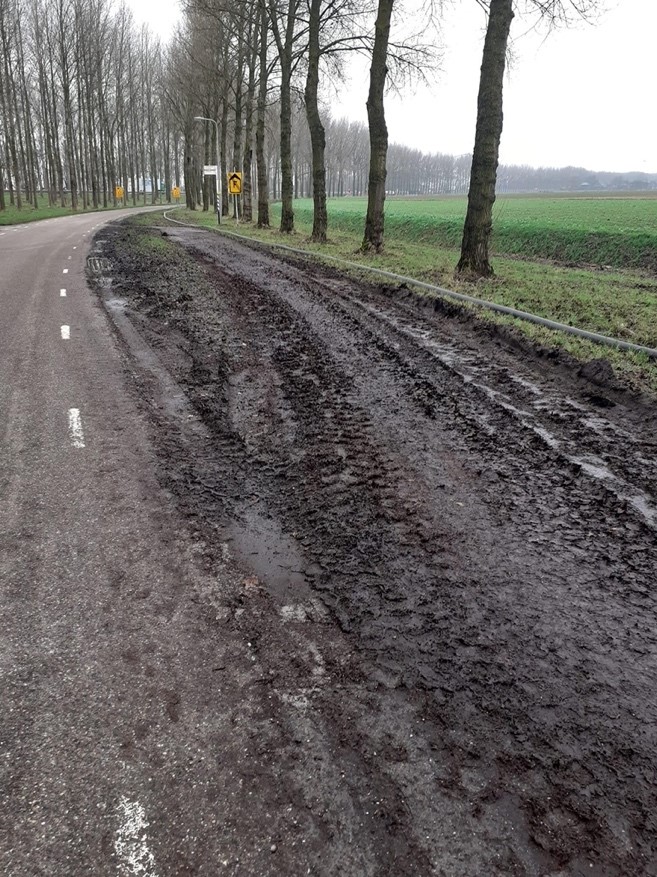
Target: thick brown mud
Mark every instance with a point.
(443, 554)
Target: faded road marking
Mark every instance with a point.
(75, 428)
(131, 841)
(66, 333)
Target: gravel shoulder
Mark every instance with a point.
(438, 551)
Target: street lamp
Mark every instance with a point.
(218, 176)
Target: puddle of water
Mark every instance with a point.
(639, 501)
(642, 505)
(528, 385)
(594, 467)
(274, 558)
(115, 304)
(550, 440)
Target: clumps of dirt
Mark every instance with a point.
(443, 503)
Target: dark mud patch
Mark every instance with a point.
(438, 562)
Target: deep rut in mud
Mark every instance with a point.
(479, 524)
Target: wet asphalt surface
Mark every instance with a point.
(437, 549)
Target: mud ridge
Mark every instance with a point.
(444, 558)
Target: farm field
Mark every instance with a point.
(620, 231)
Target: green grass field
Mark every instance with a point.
(620, 302)
(596, 230)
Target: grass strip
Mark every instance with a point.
(28, 213)
(620, 304)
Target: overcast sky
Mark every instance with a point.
(583, 97)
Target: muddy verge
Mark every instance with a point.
(448, 559)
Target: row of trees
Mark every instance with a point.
(81, 105)
(412, 172)
(89, 102)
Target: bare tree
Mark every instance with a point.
(481, 197)
(376, 193)
(483, 177)
(283, 16)
(261, 161)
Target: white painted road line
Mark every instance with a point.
(75, 428)
(62, 293)
(65, 271)
(66, 333)
(130, 844)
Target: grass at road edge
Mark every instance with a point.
(620, 304)
(13, 216)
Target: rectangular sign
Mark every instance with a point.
(210, 170)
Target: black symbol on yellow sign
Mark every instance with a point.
(235, 183)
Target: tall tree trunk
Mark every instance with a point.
(285, 57)
(188, 169)
(247, 167)
(223, 157)
(376, 193)
(9, 114)
(261, 161)
(317, 133)
(64, 29)
(287, 184)
(481, 196)
(30, 144)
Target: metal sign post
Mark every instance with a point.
(216, 167)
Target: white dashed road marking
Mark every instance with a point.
(66, 333)
(65, 271)
(131, 842)
(75, 428)
(62, 293)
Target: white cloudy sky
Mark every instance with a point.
(580, 97)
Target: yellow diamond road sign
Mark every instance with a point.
(235, 183)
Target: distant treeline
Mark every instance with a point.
(412, 172)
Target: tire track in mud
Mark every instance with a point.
(503, 600)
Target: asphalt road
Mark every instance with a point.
(117, 754)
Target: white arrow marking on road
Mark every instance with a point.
(75, 428)
(131, 841)
(66, 333)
